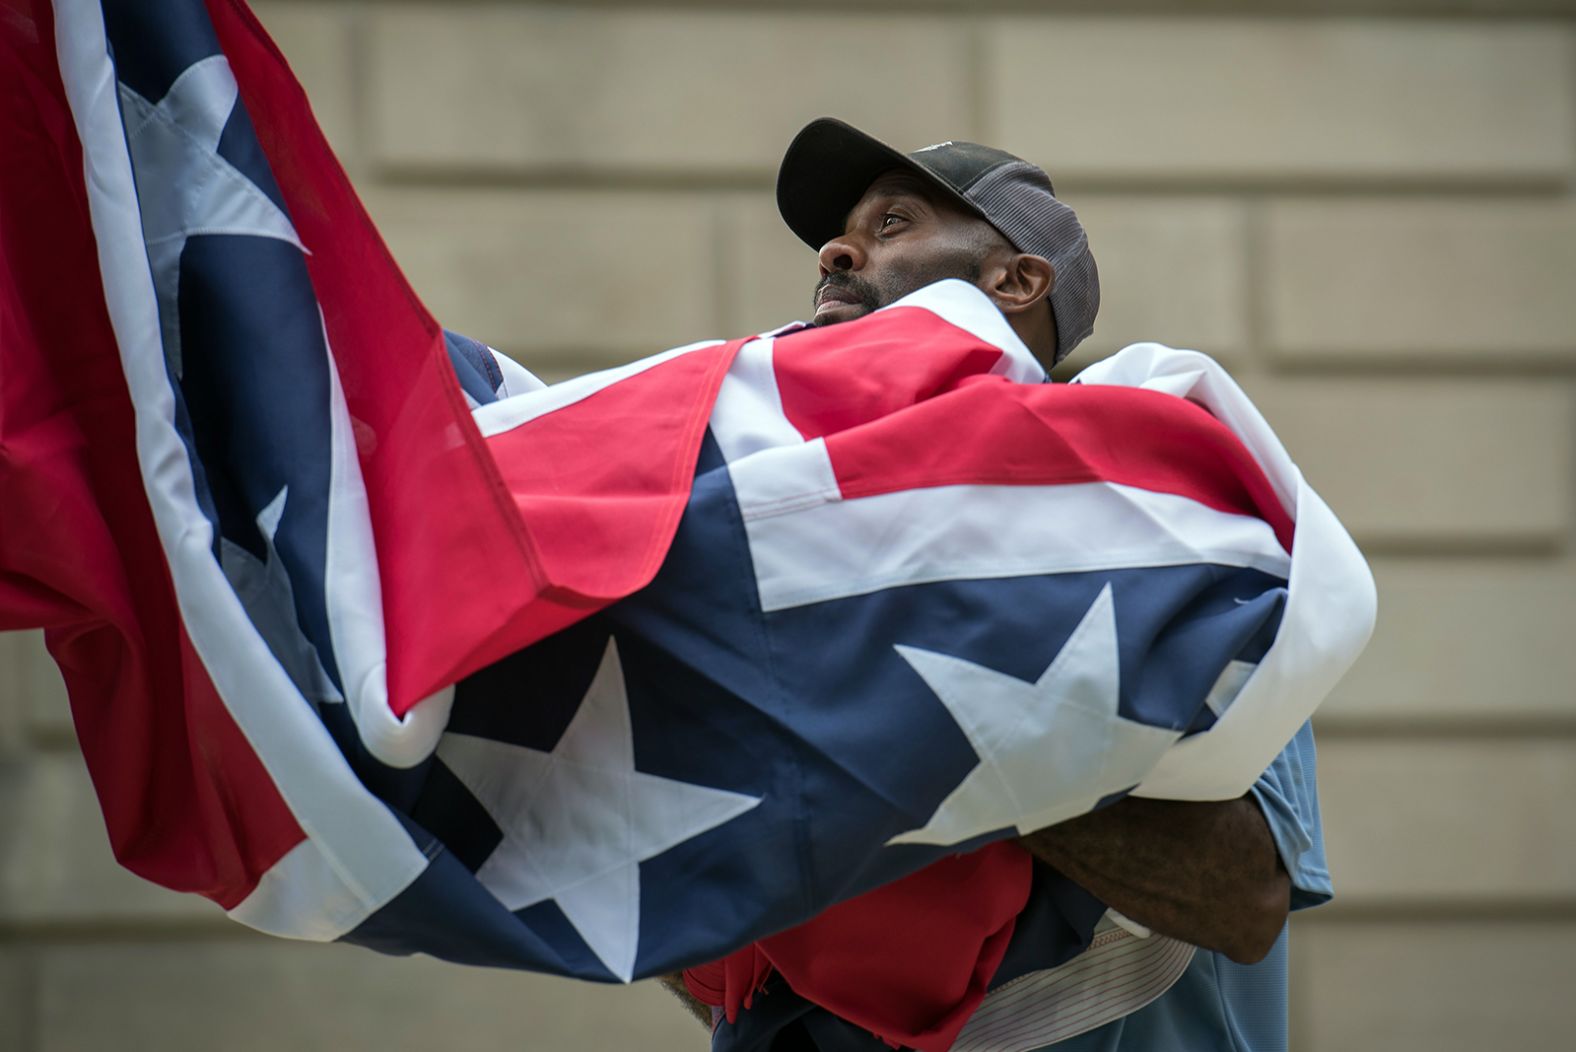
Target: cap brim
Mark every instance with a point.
(827, 169)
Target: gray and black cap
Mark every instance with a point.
(830, 164)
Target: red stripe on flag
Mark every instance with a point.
(1002, 433)
(186, 801)
(835, 378)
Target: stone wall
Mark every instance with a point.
(1368, 215)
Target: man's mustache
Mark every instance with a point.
(850, 283)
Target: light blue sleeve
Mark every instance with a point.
(1288, 793)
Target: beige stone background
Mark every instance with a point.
(1365, 208)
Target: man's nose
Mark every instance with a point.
(841, 253)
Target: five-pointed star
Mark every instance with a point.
(1048, 750)
(184, 187)
(578, 821)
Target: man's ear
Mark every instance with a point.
(1025, 280)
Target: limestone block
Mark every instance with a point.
(13, 693)
(56, 866)
(597, 275)
(771, 272)
(1432, 986)
(1432, 461)
(16, 1009)
(1423, 280)
(1171, 269)
(318, 40)
(1238, 99)
(543, 88)
(1478, 640)
(256, 994)
(33, 702)
(48, 710)
(1414, 821)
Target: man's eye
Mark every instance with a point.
(890, 218)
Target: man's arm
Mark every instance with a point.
(1205, 873)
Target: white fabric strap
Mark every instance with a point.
(1118, 974)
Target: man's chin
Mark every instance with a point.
(832, 313)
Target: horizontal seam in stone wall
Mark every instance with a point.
(1431, 11)
(1438, 910)
(506, 175)
(1465, 364)
(1489, 541)
(1431, 729)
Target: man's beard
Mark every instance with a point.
(872, 297)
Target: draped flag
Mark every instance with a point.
(616, 676)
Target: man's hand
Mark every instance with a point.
(1205, 873)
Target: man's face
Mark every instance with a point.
(898, 238)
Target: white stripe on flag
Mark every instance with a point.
(809, 547)
(302, 896)
(784, 479)
(748, 415)
(368, 856)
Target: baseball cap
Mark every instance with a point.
(830, 164)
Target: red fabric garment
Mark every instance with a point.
(909, 961)
(732, 982)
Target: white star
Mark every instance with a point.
(578, 821)
(1048, 750)
(184, 187)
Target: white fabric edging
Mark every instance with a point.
(302, 896)
(361, 857)
(1330, 608)
(506, 414)
(517, 379)
(1117, 975)
(748, 415)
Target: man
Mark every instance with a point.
(1221, 876)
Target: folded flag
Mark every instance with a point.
(616, 676)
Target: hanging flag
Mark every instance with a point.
(612, 677)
